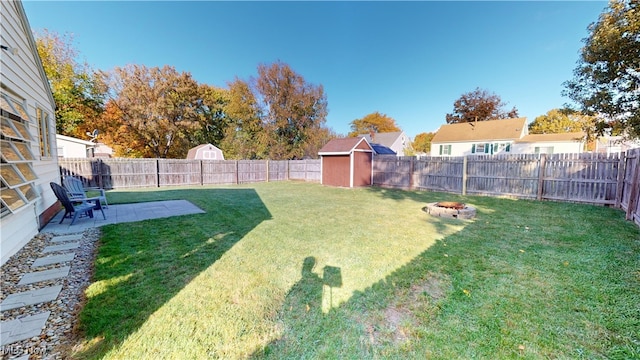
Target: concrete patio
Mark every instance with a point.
(122, 213)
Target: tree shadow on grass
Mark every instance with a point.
(140, 266)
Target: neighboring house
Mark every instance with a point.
(205, 152)
(102, 150)
(550, 143)
(29, 159)
(70, 147)
(505, 136)
(615, 144)
(398, 142)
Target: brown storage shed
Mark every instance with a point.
(347, 162)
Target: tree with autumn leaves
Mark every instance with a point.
(479, 105)
(163, 110)
(78, 90)
(376, 122)
(160, 112)
(276, 115)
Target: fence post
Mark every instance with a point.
(633, 198)
(267, 170)
(100, 183)
(411, 174)
(158, 172)
(201, 174)
(464, 175)
(237, 173)
(541, 170)
(621, 172)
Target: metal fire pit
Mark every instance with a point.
(450, 209)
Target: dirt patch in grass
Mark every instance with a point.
(434, 285)
(408, 309)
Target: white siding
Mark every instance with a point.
(559, 147)
(71, 149)
(22, 78)
(457, 149)
(464, 148)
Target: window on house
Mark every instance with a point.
(45, 139)
(501, 147)
(480, 148)
(17, 178)
(445, 150)
(544, 149)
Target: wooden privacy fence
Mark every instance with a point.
(130, 173)
(590, 177)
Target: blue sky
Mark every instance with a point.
(409, 60)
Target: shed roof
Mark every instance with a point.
(343, 146)
(386, 138)
(503, 129)
(564, 137)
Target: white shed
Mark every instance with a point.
(205, 152)
(29, 158)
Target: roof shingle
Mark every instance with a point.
(504, 129)
(341, 146)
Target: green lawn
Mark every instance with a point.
(297, 270)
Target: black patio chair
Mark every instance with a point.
(77, 191)
(71, 209)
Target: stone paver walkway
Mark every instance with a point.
(34, 277)
(61, 253)
(23, 328)
(30, 297)
(64, 238)
(61, 247)
(54, 259)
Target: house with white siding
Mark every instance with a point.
(28, 143)
(398, 142)
(504, 136)
(615, 144)
(70, 147)
(563, 143)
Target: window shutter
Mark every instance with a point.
(473, 148)
(508, 148)
(440, 149)
(486, 148)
